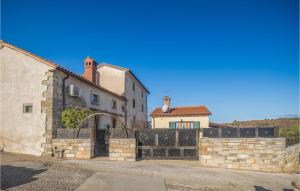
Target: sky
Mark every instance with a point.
(238, 58)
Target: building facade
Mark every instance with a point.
(35, 91)
(180, 117)
(124, 83)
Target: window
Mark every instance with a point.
(27, 108)
(134, 119)
(142, 94)
(185, 124)
(142, 107)
(123, 108)
(95, 99)
(114, 105)
(133, 103)
(133, 86)
(114, 123)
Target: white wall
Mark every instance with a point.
(112, 79)
(21, 82)
(163, 122)
(141, 116)
(105, 104)
(120, 82)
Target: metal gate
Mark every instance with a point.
(167, 144)
(101, 146)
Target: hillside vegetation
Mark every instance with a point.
(288, 127)
(280, 122)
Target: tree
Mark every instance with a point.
(72, 117)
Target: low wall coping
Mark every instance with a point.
(72, 140)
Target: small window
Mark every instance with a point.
(133, 86)
(133, 103)
(27, 108)
(142, 94)
(123, 108)
(95, 99)
(114, 105)
(142, 107)
(134, 119)
(114, 123)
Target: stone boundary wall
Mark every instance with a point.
(291, 158)
(263, 154)
(75, 148)
(122, 149)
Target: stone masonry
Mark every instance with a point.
(122, 149)
(75, 148)
(264, 154)
(291, 158)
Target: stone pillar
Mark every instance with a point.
(52, 107)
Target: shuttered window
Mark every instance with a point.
(172, 125)
(184, 125)
(197, 124)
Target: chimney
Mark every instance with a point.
(167, 101)
(90, 68)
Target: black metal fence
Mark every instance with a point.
(82, 133)
(268, 132)
(167, 143)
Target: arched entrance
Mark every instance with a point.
(104, 125)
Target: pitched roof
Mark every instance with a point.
(125, 70)
(59, 68)
(182, 111)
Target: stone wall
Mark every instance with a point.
(75, 148)
(122, 149)
(291, 159)
(264, 154)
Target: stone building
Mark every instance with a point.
(123, 82)
(180, 117)
(34, 92)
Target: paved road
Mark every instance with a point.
(116, 182)
(23, 172)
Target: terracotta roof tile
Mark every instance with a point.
(182, 111)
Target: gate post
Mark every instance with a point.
(176, 138)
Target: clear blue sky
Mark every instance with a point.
(239, 58)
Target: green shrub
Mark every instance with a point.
(72, 117)
(291, 134)
(290, 131)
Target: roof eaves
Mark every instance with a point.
(58, 67)
(173, 115)
(90, 83)
(138, 81)
(125, 70)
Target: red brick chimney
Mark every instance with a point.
(90, 68)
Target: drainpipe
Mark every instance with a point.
(63, 91)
